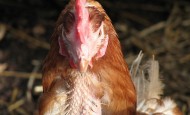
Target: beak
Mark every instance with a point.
(83, 65)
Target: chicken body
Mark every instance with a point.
(106, 78)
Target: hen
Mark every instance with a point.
(84, 72)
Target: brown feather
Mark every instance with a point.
(114, 72)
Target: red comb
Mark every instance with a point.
(82, 20)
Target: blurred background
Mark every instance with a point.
(160, 28)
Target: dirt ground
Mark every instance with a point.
(160, 28)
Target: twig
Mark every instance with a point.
(137, 42)
(38, 89)
(31, 80)
(3, 67)
(20, 34)
(186, 22)
(14, 94)
(134, 6)
(156, 27)
(19, 74)
(152, 29)
(173, 21)
(136, 18)
(3, 102)
(21, 111)
(185, 59)
(3, 30)
(16, 105)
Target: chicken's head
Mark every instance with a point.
(83, 35)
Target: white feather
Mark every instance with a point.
(149, 88)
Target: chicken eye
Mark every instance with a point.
(68, 21)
